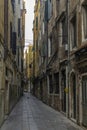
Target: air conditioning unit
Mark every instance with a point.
(66, 47)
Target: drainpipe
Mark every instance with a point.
(68, 66)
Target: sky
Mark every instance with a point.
(29, 5)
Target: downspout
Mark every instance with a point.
(68, 67)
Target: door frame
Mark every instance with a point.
(81, 105)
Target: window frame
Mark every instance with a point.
(64, 29)
(73, 31)
(50, 46)
(84, 22)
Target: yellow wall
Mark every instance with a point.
(36, 33)
(30, 61)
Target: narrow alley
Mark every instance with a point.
(31, 114)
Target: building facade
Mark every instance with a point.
(11, 63)
(2, 65)
(77, 75)
(62, 78)
(28, 67)
(42, 41)
(36, 26)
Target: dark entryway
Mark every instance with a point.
(6, 98)
(73, 95)
(41, 90)
(63, 85)
(56, 83)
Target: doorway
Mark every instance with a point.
(84, 100)
(6, 98)
(41, 90)
(73, 95)
(63, 85)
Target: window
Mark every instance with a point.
(6, 71)
(49, 46)
(43, 27)
(64, 36)
(73, 31)
(13, 5)
(18, 56)
(50, 8)
(14, 37)
(18, 27)
(18, 1)
(10, 34)
(85, 21)
(40, 34)
(46, 11)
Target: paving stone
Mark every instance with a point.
(31, 114)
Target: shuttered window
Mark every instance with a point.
(19, 27)
(64, 31)
(73, 31)
(85, 21)
(14, 43)
(10, 35)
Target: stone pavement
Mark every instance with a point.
(32, 114)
